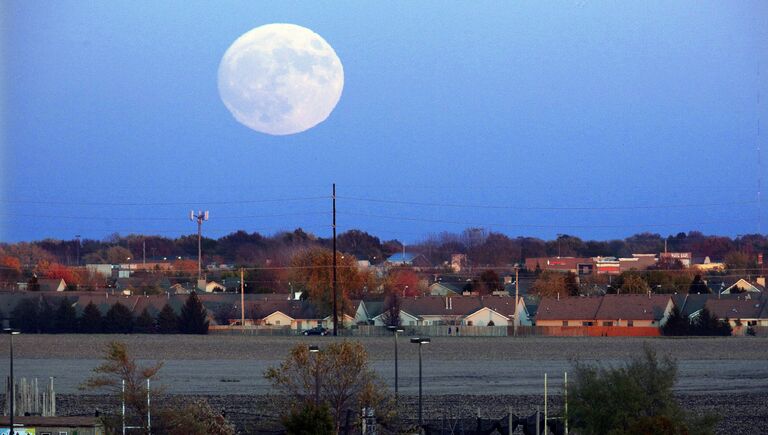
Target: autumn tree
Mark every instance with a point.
(313, 268)
(552, 284)
(634, 284)
(119, 366)
(404, 282)
(10, 270)
(342, 372)
(489, 282)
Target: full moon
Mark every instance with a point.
(280, 79)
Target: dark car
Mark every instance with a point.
(317, 330)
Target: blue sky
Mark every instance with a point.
(597, 119)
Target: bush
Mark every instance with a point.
(309, 420)
(634, 399)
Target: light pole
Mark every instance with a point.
(559, 236)
(396, 330)
(420, 341)
(313, 349)
(12, 332)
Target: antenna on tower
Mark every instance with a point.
(200, 216)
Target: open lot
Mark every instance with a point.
(221, 365)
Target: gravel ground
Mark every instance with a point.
(740, 414)
(727, 376)
(228, 347)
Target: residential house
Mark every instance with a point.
(440, 288)
(744, 286)
(742, 311)
(569, 311)
(416, 261)
(634, 310)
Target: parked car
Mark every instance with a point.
(317, 330)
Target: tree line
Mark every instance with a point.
(482, 247)
(38, 315)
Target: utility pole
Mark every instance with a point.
(143, 251)
(517, 292)
(242, 300)
(335, 312)
(200, 216)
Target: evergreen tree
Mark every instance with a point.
(118, 320)
(46, 317)
(708, 324)
(698, 286)
(91, 321)
(65, 319)
(167, 321)
(145, 323)
(25, 316)
(194, 317)
(677, 324)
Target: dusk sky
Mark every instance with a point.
(595, 119)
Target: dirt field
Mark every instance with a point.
(221, 365)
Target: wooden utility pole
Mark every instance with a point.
(335, 306)
(242, 301)
(517, 292)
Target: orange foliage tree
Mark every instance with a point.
(10, 269)
(59, 271)
(313, 270)
(404, 282)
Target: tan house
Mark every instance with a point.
(742, 311)
(634, 310)
(570, 311)
(744, 286)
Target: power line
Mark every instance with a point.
(520, 207)
(151, 204)
(476, 224)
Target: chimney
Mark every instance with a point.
(450, 303)
(446, 302)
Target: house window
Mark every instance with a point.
(587, 323)
(469, 323)
(630, 323)
(565, 323)
(752, 323)
(607, 323)
(62, 433)
(277, 322)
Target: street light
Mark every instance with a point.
(420, 341)
(396, 330)
(12, 332)
(312, 350)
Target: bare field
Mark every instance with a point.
(225, 364)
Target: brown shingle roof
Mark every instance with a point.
(740, 308)
(436, 305)
(632, 307)
(570, 308)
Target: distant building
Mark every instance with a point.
(416, 261)
(672, 257)
(560, 264)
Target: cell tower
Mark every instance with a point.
(200, 216)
